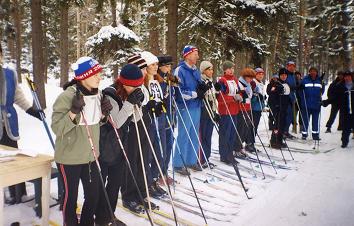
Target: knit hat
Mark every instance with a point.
(347, 73)
(165, 60)
(188, 49)
(290, 62)
(85, 67)
(205, 65)
(131, 75)
(227, 65)
(282, 71)
(137, 60)
(259, 70)
(149, 57)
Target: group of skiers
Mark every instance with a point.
(121, 139)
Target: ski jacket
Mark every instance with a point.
(189, 78)
(331, 89)
(277, 100)
(345, 99)
(311, 94)
(72, 145)
(230, 87)
(291, 81)
(11, 93)
(246, 87)
(258, 96)
(210, 101)
(110, 149)
(169, 93)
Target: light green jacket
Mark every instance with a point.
(72, 145)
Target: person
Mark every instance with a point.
(279, 101)
(228, 107)
(244, 119)
(10, 94)
(344, 96)
(311, 98)
(334, 106)
(169, 81)
(297, 112)
(123, 94)
(257, 102)
(130, 197)
(157, 124)
(189, 95)
(77, 113)
(291, 81)
(209, 114)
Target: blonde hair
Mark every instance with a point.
(248, 72)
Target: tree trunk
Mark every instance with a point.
(37, 52)
(64, 43)
(78, 32)
(302, 9)
(346, 55)
(172, 38)
(45, 45)
(154, 35)
(114, 24)
(17, 23)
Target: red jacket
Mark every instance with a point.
(232, 104)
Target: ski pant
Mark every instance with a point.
(244, 128)
(189, 153)
(129, 190)
(169, 147)
(18, 190)
(206, 132)
(314, 115)
(157, 138)
(332, 116)
(114, 175)
(256, 118)
(89, 176)
(348, 127)
(227, 134)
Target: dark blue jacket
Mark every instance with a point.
(291, 81)
(311, 94)
(189, 79)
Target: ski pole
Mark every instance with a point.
(93, 149)
(142, 161)
(156, 160)
(185, 166)
(129, 167)
(265, 150)
(242, 104)
(38, 106)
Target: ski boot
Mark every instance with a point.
(133, 206)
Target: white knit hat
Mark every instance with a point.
(205, 65)
(149, 57)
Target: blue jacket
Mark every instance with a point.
(311, 93)
(189, 79)
(291, 81)
(258, 96)
(8, 113)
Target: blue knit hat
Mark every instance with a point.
(85, 67)
(131, 75)
(188, 49)
(259, 70)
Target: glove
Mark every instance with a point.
(202, 88)
(216, 117)
(244, 97)
(159, 108)
(35, 112)
(253, 85)
(106, 106)
(77, 104)
(280, 89)
(325, 103)
(136, 97)
(209, 85)
(238, 97)
(217, 86)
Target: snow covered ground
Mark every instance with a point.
(318, 190)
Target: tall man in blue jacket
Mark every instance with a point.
(189, 94)
(311, 98)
